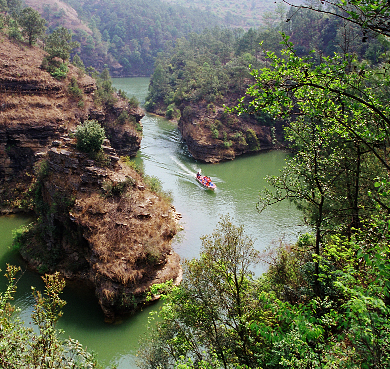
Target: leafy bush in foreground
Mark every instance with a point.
(221, 316)
(22, 347)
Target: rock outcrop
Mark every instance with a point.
(100, 224)
(36, 109)
(212, 135)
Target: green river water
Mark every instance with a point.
(165, 156)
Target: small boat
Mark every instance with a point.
(205, 181)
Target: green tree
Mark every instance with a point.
(339, 129)
(59, 44)
(205, 319)
(14, 7)
(77, 62)
(3, 5)
(33, 25)
(370, 15)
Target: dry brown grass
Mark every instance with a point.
(70, 19)
(31, 95)
(130, 234)
(122, 240)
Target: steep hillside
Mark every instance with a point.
(37, 108)
(125, 35)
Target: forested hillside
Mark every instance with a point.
(194, 81)
(127, 35)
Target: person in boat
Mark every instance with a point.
(198, 175)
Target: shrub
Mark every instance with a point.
(41, 169)
(172, 112)
(90, 136)
(123, 117)
(149, 105)
(14, 31)
(105, 93)
(74, 88)
(44, 346)
(227, 144)
(77, 62)
(238, 136)
(138, 127)
(60, 72)
(123, 94)
(252, 140)
(133, 102)
(211, 108)
(153, 183)
(117, 188)
(214, 131)
(101, 158)
(132, 164)
(20, 236)
(45, 63)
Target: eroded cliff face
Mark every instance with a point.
(97, 222)
(101, 225)
(212, 135)
(36, 109)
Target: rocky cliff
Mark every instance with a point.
(212, 135)
(97, 222)
(101, 225)
(36, 109)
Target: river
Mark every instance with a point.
(164, 155)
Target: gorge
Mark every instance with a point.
(163, 154)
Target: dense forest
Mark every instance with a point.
(206, 71)
(127, 35)
(236, 13)
(215, 63)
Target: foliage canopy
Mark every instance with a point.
(33, 25)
